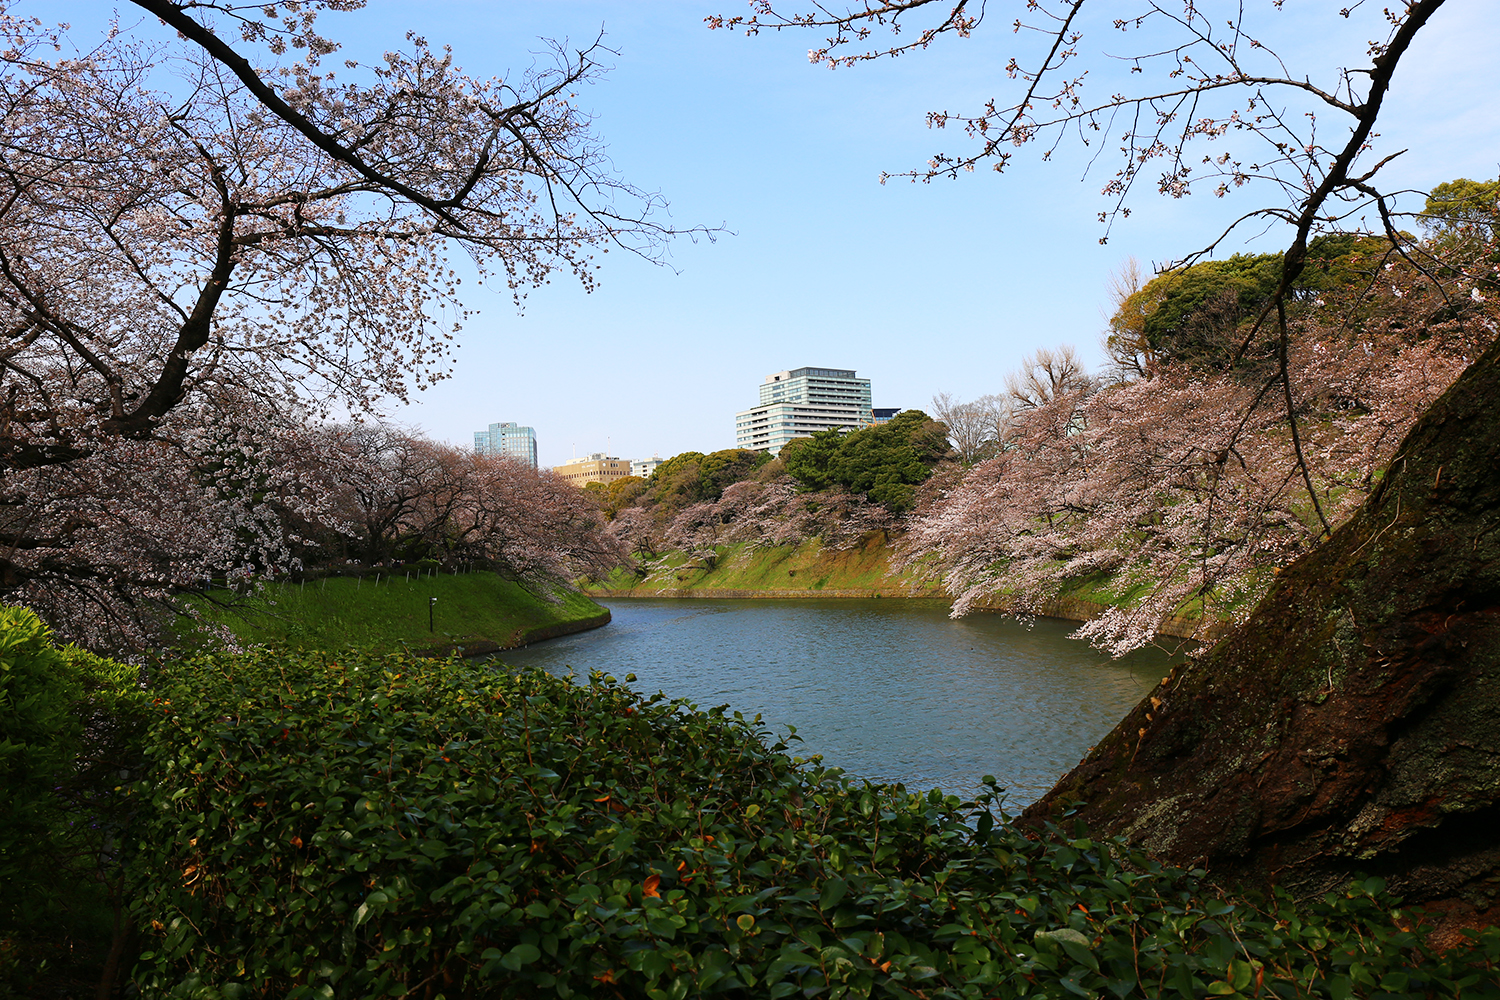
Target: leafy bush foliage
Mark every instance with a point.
(69, 731)
(364, 827)
(38, 738)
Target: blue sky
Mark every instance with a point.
(921, 288)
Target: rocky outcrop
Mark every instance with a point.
(1352, 725)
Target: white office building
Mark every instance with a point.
(646, 466)
(801, 402)
(507, 440)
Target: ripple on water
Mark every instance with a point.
(888, 690)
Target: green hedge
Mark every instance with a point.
(360, 827)
(39, 737)
(70, 728)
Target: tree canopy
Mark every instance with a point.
(884, 462)
(1464, 203)
(1199, 313)
(693, 477)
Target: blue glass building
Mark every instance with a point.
(507, 440)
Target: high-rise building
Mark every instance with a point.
(507, 440)
(597, 468)
(801, 402)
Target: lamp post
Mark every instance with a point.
(430, 602)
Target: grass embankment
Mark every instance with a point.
(1088, 597)
(809, 570)
(806, 570)
(474, 612)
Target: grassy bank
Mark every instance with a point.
(785, 571)
(474, 612)
(809, 570)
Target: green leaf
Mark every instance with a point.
(833, 891)
(521, 954)
(1241, 974)
(1060, 936)
(1080, 952)
(1072, 985)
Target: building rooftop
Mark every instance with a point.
(811, 372)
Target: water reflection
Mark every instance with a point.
(888, 690)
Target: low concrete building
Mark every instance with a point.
(596, 468)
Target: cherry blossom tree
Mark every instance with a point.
(98, 544)
(1216, 109)
(409, 498)
(526, 523)
(756, 513)
(636, 530)
(241, 233)
(768, 514)
(1211, 107)
(1179, 489)
(381, 479)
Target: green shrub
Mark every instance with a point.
(360, 827)
(39, 737)
(70, 724)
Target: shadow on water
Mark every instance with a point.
(890, 690)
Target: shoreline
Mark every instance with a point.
(522, 637)
(1072, 609)
(810, 571)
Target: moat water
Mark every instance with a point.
(889, 690)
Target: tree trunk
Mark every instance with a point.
(1352, 725)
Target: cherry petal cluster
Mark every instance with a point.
(1179, 493)
(757, 514)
